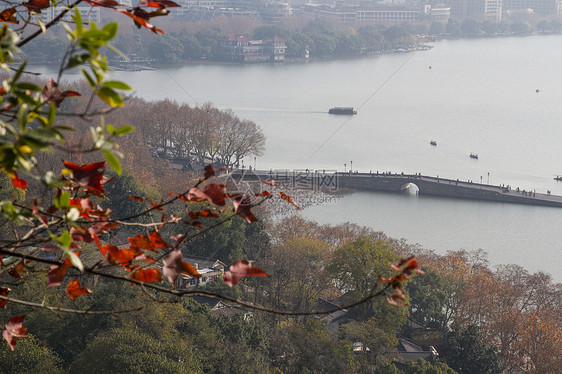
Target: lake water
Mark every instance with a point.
(469, 95)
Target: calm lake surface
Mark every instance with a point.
(469, 95)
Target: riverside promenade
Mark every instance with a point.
(394, 182)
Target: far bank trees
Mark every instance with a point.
(201, 134)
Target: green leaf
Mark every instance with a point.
(22, 117)
(111, 30)
(65, 240)
(118, 85)
(33, 142)
(110, 96)
(123, 130)
(19, 72)
(77, 60)
(113, 161)
(28, 86)
(38, 118)
(63, 200)
(52, 114)
(78, 21)
(89, 78)
(48, 134)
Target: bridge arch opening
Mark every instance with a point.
(410, 189)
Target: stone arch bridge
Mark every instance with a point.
(394, 182)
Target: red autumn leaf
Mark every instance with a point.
(140, 242)
(215, 193)
(36, 5)
(81, 234)
(136, 198)
(263, 194)
(123, 257)
(412, 267)
(102, 3)
(242, 208)
(18, 183)
(158, 3)
(98, 227)
(139, 21)
(398, 266)
(156, 241)
(288, 199)
(149, 275)
(56, 273)
(202, 213)
(74, 289)
(241, 269)
(9, 16)
(4, 291)
(209, 171)
(90, 175)
(269, 182)
(52, 94)
(173, 266)
(13, 329)
(155, 205)
(151, 243)
(18, 270)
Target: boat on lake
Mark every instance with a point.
(558, 178)
(342, 110)
(474, 156)
(433, 142)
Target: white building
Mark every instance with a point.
(88, 13)
(351, 15)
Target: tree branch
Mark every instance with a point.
(66, 310)
(54, 21)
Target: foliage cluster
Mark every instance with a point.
(510, 312)
(199, 41)
(230, 339)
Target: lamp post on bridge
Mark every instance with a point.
(351, 167)
(488, 178)
(480, 182)
(345, 168)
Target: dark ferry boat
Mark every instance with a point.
(342, 110)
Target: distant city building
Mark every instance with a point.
(87, 12)
(441, 14)
(268, 11)
(351, 15)
(238, 48)
(489, 10)
(542, 7)
(274, 11)
(437, 12)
